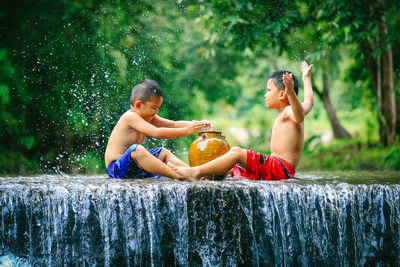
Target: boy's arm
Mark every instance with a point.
(207, 125)
(139, 124)
(308, 92)
(296, 112)
(162, 122)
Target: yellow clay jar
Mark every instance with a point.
(207, 146)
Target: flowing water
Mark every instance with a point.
(323, 219)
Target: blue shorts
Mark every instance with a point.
(126, 167)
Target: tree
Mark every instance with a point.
(364, 23)
(275, 24)
(306, 45)
(337, 128)
(254, 23)
(69, 66)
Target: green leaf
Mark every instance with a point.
(4, 94)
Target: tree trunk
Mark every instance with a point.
(388, 96)
(337, 128)
(380, 68)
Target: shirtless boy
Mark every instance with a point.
(286, 140)
(126, 157)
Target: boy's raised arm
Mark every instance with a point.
(296, 112)
(308, 92)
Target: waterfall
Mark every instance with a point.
(167, 223)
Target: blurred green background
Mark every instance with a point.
(67, 69)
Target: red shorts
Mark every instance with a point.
(261, 167)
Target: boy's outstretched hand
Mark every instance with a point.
(195, 126)
(208, 126)
(306, 69)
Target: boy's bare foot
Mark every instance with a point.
(186, 172)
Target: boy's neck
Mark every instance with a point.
(135, 110)
(282, 107)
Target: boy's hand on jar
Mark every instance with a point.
(207, 125)
(194, 126)
(306, 69)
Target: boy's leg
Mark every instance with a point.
(166, 156)
(217, 166)
(152, 164)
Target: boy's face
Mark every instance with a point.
(150, 109)
(272, 95)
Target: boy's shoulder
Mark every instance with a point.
(285, 112)
(129, 116)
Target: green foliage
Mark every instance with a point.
(6, 72)
(67, 78)
(350, 155)
(67, 69)
(249, 23)
(393, 158)
(87, 162)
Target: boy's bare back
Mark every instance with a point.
(122, 137)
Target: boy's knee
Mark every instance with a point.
(239, 154)
(236, 150)
(163, 153)
(138, 151)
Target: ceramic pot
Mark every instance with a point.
(207, 146)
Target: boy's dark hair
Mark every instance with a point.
(277, 79)
(144, 90)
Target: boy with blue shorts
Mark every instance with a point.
(126, 157)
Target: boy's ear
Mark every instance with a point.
(137, 104)
(282, 94)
